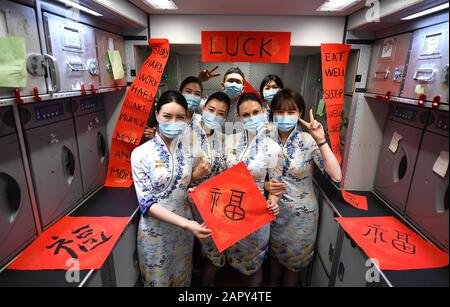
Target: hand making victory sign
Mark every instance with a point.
(206, 74)
(331, 164)
(315, 128)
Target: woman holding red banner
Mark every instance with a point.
(293, 233)
(263, 159)
(162, 173)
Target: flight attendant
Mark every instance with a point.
(293, 233)
(263, 158)
(270, 85)
(162, 174)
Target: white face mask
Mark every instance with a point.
(269, 94)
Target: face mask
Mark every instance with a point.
(254, 123)
(212, 122)
(233, 90)
(285, 123)
(268, 94)
(193, 101)
(172, 129)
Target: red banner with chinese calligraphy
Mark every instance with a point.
(392, 244)
(355, 200)
(334, 63)
(134, 114)
(73, 243)
(231, 206)
(242, 46)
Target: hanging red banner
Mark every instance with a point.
(357, 201)
(231, 206)
(73, 243)
(248, 88)
(334, 63)
(134, 114)
(392, 244)
(242, 46)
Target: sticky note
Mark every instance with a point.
(13, 70)
(420, 89)
(440, 167)
(116, 64)
(320, 108)
(394, 142)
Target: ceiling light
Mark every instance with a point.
(336, 5)
(426, 12)
(80, 7)
(162, 4)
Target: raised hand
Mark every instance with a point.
(314, 127)
(201, 170)
(206, 74)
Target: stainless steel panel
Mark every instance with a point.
(17, 226)
(327, 235)
(388, 64)
(428, 201)
(73, 46)
(126, 266)
(319, 277)
(20, 20)
(53, 154)
(395, 170)
(428, 64)
(93, 149)
(351, 271)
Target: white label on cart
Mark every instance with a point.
(440, 167)
(110, 44)
(394, 142)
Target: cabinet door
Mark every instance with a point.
(319, 277)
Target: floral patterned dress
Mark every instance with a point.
(211, 149)
(164, 250)
(263, 158)
(293, 234)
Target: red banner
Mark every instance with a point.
(231, 206)
(134, 114)
(392, 244)
(334, 63)
(248, 88)
(73, 243)
(240, 46)
(357, 201)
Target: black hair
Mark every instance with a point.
(233, 70)
(246, 97)
(267, 80)
(290, 97)
(168, 97)
(191, 79)
(221, 96)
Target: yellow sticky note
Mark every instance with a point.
(116, 64)
(13, 69)
(320, 108)
(420, 89)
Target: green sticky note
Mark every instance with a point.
(116, 64)
(320, 108)
(13, 69)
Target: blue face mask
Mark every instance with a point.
(285, 123)
(232, 89)
(212, 122)
(172, 129)
(268, 94)
(193, 101)
(254, 123)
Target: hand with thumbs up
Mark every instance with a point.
(201, 170)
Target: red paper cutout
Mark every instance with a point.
(231, 206)
(89, 240)
(392, 244)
